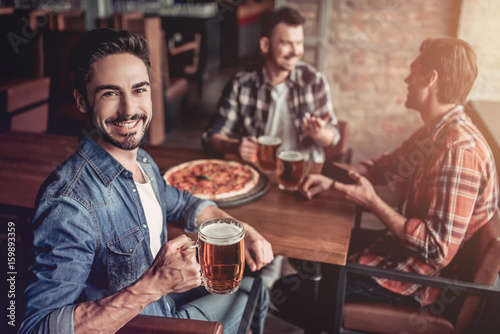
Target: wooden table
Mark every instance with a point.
(316, 230)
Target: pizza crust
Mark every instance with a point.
(184, 177)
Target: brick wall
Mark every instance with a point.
(371, 45)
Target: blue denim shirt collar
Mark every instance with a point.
(104, 164)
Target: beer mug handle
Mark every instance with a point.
(191, 245)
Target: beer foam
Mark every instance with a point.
(291, 156)
(215, 232)
(268, 140)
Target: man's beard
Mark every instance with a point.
(287, 57)
(126, 142)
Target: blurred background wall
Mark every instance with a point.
(364, 47)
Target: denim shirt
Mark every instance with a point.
(91, 238)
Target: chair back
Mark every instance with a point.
(480, 263)
(455, 311)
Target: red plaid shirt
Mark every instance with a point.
(451, 191)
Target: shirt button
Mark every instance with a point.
(130, 250)
(144, 225)
(144, 159)
(152, 178)
(134, 190)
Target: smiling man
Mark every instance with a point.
(279, 96)
(450, 189)
(122, 130)
(100, 236)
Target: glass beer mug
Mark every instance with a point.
(221, 253)
(266, 153)
(291, 168)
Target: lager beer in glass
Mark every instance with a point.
(291, 168)
(221, 250)
(266, 153)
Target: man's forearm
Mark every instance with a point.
(211, 212)
(390, 217)
(111, 313)
(224, 144)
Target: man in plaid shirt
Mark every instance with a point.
(449, 175)
(280, 97)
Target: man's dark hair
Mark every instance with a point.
(455, 62)
(96, 44)
(286, 15)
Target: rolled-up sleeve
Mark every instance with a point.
(57, 321)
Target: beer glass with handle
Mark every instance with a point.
(266, 153)
(221, 252)
(291, 168)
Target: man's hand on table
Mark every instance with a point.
(245, 149)
(314, 184)
(362, 192)
(258, 251)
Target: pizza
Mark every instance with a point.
(213, 178)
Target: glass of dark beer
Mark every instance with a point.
(266, 153)
(221, 251)
(291, 167)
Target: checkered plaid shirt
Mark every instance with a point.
(451, 191)
(244, 105)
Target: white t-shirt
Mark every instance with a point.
(152, 209)
(280, 121)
